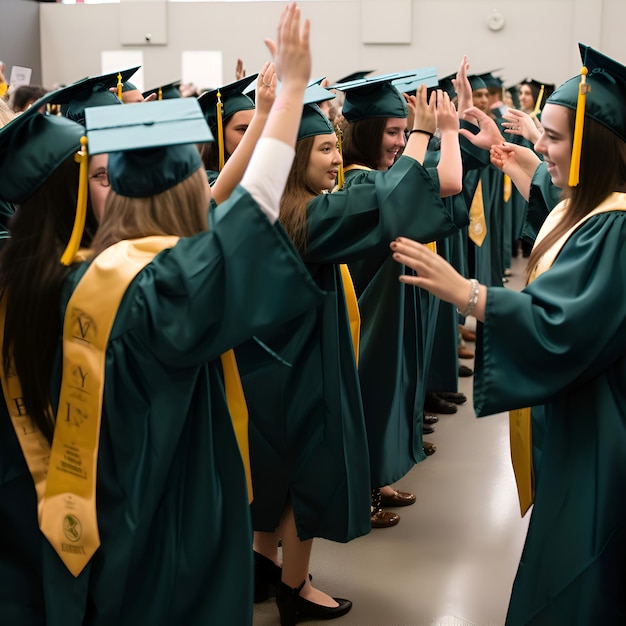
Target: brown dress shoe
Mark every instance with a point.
(429, 448)
(465, 354)
(468, 335)
(452, 396)
(384, 519)
(399, 498)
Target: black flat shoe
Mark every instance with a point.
(452, 396)
(266, 577)
(294, 608)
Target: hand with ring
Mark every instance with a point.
(265, 97)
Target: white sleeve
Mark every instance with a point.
(266, 174)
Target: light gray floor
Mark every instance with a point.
(453, 557)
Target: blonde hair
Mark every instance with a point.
(181, 210)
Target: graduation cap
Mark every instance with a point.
(233, 100)
(219, 105)
(151, 147)
(32, 146)
(373, 97)
(491, 80)
(599, 92)
(314, 121)
(355, 76)
(89, 92)
(476, 82)
(165, 92)
(446, 85)
(422, 76)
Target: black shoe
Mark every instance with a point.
(452, 396)
(266, 577)
(427, 429)
(293, 607)
(434, 404)
(465, 371)
(430, 419)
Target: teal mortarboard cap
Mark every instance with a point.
(314, 121)
(233, 100)
(89, 92)
(373, 97)
(476, 82)
(165, 92)
(151, 147)
(32, 146)
(355, 76)
(445, 84)
(423, 76)
(606, 97)
(491, 80)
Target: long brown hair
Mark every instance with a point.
(362, 142)
(602, 171)
(297, 195)
(181, 210)
(31, 279)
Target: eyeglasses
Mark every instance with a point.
(101, 178)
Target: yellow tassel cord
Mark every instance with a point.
(160, 95)
(220, 131)
(340, 175)
(119, 85)
(574, 168)
(537, 108)
(81, 204)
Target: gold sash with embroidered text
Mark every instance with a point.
(66, 499)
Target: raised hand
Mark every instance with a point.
(291, 50)
(265, 88)
(447, 118)
(489, 133)
(425, 110)
(520, 123)
(240, 72)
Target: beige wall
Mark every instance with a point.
(538, 39)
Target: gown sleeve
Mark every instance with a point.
(562, 329)
(212, 291)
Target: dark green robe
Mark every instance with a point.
(397, 321)
(308, 439)
(567, 357)
(21, 588)
(172, 504)
(442, 375)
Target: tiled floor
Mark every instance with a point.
(453, 557)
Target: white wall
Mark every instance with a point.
(539, 38)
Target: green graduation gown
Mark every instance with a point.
(171, 497)
(567, 357)
(307, 438)
(396, 321)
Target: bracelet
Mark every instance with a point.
(473, 298)
(424, 132)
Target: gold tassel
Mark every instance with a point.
(220, 131)
(340, 174)
(537, 108)
(160, 95)
(81, 157)
(119, 85)
(574, 169)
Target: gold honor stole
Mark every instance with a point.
(65, 476)
(520, 425)
(478, 226)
